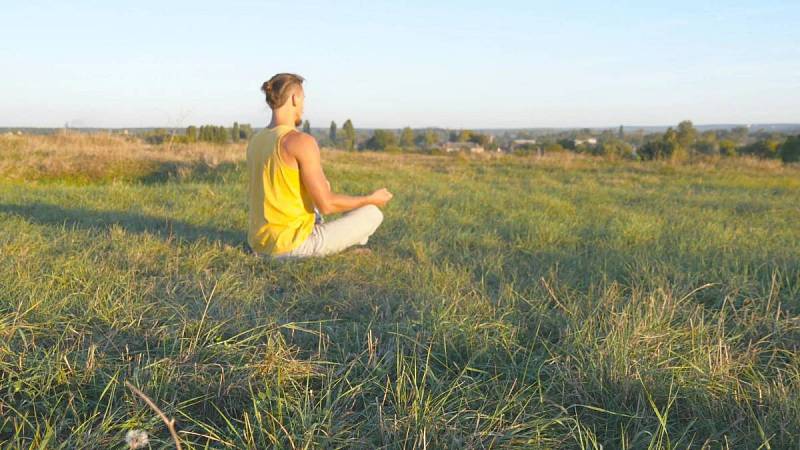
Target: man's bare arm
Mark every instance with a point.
(305, 150)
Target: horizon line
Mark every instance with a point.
(715, 124)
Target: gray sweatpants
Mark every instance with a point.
(353, 228)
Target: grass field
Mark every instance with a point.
(508, 303)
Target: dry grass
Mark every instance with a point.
(98, 157)
(103, 157)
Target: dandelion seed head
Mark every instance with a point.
(136, 438)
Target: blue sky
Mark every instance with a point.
(482, 64)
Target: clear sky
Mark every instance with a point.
(470, 64)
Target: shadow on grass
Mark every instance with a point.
(165, 227)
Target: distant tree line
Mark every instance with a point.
(346, 138)
(680, 143)
(427, 140)
(676, 144)
(686, 142)
(205, 133)
(218, 134)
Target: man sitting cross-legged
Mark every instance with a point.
(287, 187)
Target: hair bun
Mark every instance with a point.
(278, 88)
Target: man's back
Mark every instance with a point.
(281, 213)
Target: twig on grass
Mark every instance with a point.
(169, 422)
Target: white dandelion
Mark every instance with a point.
(136, 438)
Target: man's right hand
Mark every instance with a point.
(380, 197)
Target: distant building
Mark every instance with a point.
(589, 141)
(462, 146)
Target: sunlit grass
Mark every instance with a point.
(508, 303)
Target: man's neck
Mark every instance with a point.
(279, 120)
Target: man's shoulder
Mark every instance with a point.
(296, 142)
(299, 137)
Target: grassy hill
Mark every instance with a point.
(508, 303)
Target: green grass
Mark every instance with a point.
(508, 303)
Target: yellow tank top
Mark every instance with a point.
(281, 212)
